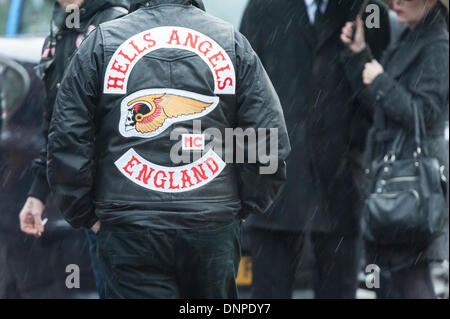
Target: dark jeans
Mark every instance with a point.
(276, 256)
(152, 263)
(92, 240)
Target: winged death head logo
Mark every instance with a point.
(148, 113)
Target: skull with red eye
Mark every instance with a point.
(136, 114)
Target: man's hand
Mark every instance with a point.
(371, 71)
(96, 226)
(31, 217)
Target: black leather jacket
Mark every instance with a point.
(135, 81)
(57, 51)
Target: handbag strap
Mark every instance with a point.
(400, 138)
(419, 135)
(369, 147)
(419, 130)
(397, 146)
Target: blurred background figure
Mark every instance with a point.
(413, 74)
(59, 46)
(64, 39)
(31, 268)
(298, 43)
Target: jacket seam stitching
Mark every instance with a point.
(102, 80)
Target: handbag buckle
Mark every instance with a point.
(442, 170)
(391, 159)
(417, 152)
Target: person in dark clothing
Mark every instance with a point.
(31, 267)
(58, 48)
(300, 46)
(163, 230)
(413, 71)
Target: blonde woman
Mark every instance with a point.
(413, 71)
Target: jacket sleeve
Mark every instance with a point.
(428, 88)
(39, 187)
(377, 39)
(72, 135)
(259, 108)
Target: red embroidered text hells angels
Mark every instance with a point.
(133, 49)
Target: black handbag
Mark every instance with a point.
(405, 199)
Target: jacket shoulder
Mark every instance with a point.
(436, 35)
(433, 42)
(216, 23)
(110, 13)
(123, 28)
(438, 48)
(267, 11)
(266, 6)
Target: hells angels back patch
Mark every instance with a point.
(148, 113)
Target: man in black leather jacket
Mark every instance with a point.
(64, 39)
(166, 230)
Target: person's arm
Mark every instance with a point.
(367, 45)
(39, 188)
(30, 216)
(259, 108)
(379, 89)
(429, 91)
(71, 137)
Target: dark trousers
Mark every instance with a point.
(92, 240)
(151, 263)
(336, 267)
(275, 257)
(277, 254)
(35, 268)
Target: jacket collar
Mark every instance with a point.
(88, 10)
(433, 20)
(91, 8)
(402, 54)
(135, 4)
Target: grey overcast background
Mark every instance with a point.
(228, 10)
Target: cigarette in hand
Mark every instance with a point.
(44, 221)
